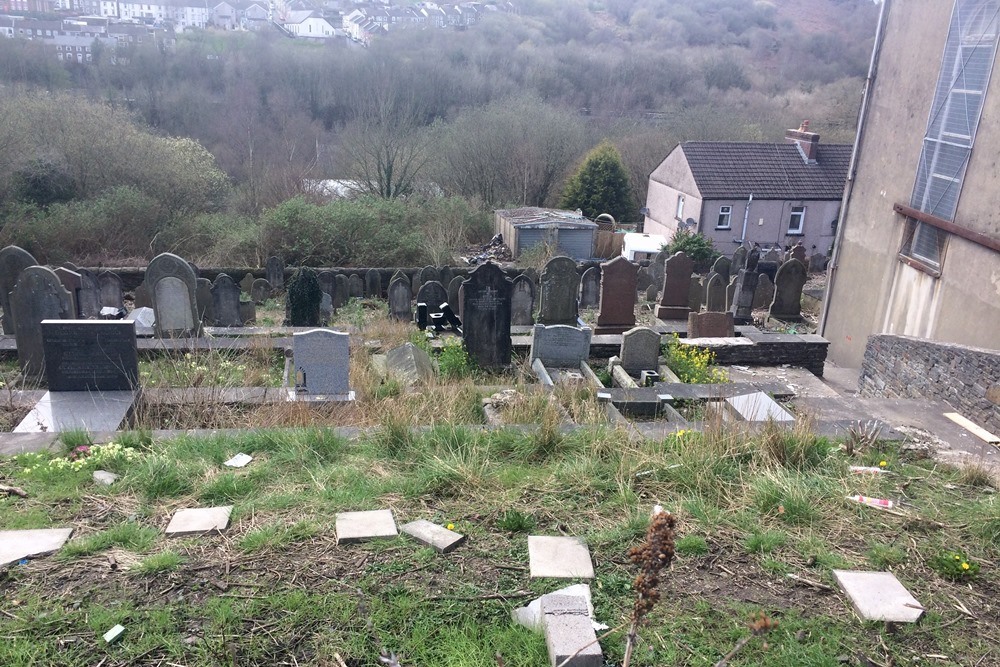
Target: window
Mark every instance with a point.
(966, 65)
(725, 217)
(680, 207)
(796, 220)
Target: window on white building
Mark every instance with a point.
(725, 217)
(680, 207)
(797, 220)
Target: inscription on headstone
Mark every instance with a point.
(90, 355)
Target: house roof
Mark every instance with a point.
(731, 169)
(529, 217)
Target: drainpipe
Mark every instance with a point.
(838, 240)
(746, 216)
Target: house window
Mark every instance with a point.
(966, 65)
(796, 220)
(680, 207)
(725, 217)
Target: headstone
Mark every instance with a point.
(260, 290)
(204, 302)
(559, 557)
(89, 298)
(341, 290)
(710, 325)
(640, 350)
(415, 282)
(696, 293)
(772, 255)
(303, 298)
(817, 263)
(676, 285)
(38, 295)
(399, 300)
(141, 298)
(722, 266)
(522, 302)
(409, 365)
(453, 287)
(560, 345)
(427, 274)
(560, 285)
(739, 260)
(788, 283)
(248, 312)
(326, 310)
(486, 310)
(618, 294)
(13, 260)
(226, 301)
(656, 268)
(461, 298)
(246, 285)
(715, 293)
(111, 290)
(362, 526)
(73, 283)
(199, 521)
(731, 292)
(321, 358)
(373, 284)
(90, 355)
(433, 294)
(172, 284)
(71, 266)
(274, 271)
(327, 282)
(764, 293)
(194, 267)
(798, 252)
(421, 316)
(590, 288)
(652, 294)
(355, 286)
(445, 275)
(143, 317)
(644, 280)
(746, 287)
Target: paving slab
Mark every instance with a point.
(569, 635)
(433, 535)
(198, 521)
(757, 407)
(18, 544)
(530, 615)
(878, 596)
(559, 557)
(60, 411)
(361, 526)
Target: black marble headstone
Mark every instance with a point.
(90, 355)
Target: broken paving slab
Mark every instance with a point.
(362, 526)
(18, 544)
(530, 615)
(199, 520)
(569, 635)
(433, 535)
(879, 596)
(559, 557)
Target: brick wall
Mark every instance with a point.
(966, 378)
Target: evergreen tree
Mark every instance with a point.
(600, 185)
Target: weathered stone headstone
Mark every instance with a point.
(194, 267)
(341, 290)
(560, 286)
(246, 285)
(731, 292)
(13, 260)
(88, 302)
(433, 294)
(409, 365)
(772, 255)
(373, 284)
(399, 300)
(111, 290)
(327, 282)
(322, 363)
(303, 298)
(248, 312)
(739, 260)
(355, 286)
(445, 275)
(590, 288)
(204, 303)
(676, 285)
(715, 293)
(656, 268)
(38, 295)
(764, 293)
(274, 271)
(260, 290)
(326, 309)
(746, 287)
(560, 345)
(618, 294)
(788, 283)
(173, 284)
(696, 293)
(644, 280)
(798, 252)
(141, 298)
(90, 355)
(522, 302)
(453, 287)
(652, 294)
(226, 301)
(73, 283)
(640, 350)
(722, 266)
(427, 274)
(710, 325)
(817, 263)
(415, 282)
(486, 309)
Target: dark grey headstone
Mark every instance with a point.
(433, 294)
(409, 365)
(445, 275)
(89, 298)
(327, 282)
(618, 295)
(341, 290)
(415, 283)
(522, 302)
(248, 312)
(590, 287)
(644, 280)
(723, 267)
(715, 293)
(204, 303)
(710, 325)
(246, 285)
(788, 283)
(656, 268)
(39, 295)
(798, 252)
(746, 287)
(172, 283)
(427, 274)
(739, 260)
(731, 292)
(13, 260)
(652, 294)
(560, 345)
(90, 355)
(141, 298)
(355, 286)
(764, 293)
(73, 283)
(373, 284)
(676, 285)
(696, 293)
(275, 272)
(322, 362)
(558, 291)
(640, 350)
(260, 290)
(399, 300)
(453, 287)
(325, 309)
(486, 307)
(226, 301)
(817, 263)
(111, 290)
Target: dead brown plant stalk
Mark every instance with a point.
(652, 556)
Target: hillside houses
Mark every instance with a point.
(76, 40)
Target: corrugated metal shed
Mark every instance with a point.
(569, 231)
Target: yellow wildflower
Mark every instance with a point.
(965, 566)
(451, 526)
(882, 464)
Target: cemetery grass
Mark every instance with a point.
(277, 589)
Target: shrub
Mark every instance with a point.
(691, 364)
(954, 565)
(304, 298)
(694, 245)
(454, 361)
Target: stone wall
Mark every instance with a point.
(758, 348)
(966, 378)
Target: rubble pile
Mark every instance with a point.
(496, 250)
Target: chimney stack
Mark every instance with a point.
(808, 142)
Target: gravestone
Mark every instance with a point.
(427, 274)
(453, 287)
(303, 298)
(13, 260)
(373, 284)
(88, 301)
(788, 283)
(722, 266)
(817, 263)
(141, 298)
(90, 355)
(656, 268)
(172, 284)
(246, 285)
(772, 255)
(731, 292)
(73, 283)
(522, 302)
(260, 290)
(415, 283)
(111, 290)
(746, 287)
(434, 295)
(798, 252)
(696, 293)
(274, 271)
(560, 285)
(764, 293)
(194, 267)
(710, 325)
(355, 286)
(590, 288)
(739, 260)
(560, 345)
(38, 295)
(409, 365)
(644, 280)
(204, 302)
(676, 285)
(445, 275)
(715, 293)
(640, 350)
(226, 302)
(248, 312)
(341, 290)
(652, 294)
(486, 311)
(399, 300)
(321, 358)
(327, 282)
(618, 294)
(325, 309)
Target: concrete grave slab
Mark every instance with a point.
(569, 635)
(433, 535)
(878, 596)
(362, 526)
(77, 410)
(559, 557)
(757, 407)
(200, 520)
(18, 544)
